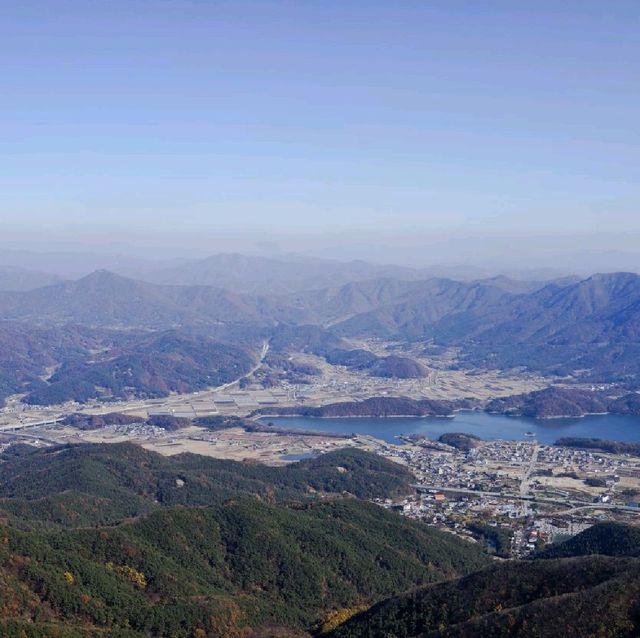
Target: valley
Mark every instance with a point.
(457, 420)
(330, 384)
(319, 319)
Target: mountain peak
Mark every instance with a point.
(621, 276)
(102, 274)
(105, 278)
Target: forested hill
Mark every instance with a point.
(105, 483)
(608, 539)
(113, 364)
(116, 541)
(221, 570)
(373, 406)
(575, 596)
(564, 402)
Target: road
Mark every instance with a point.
(224, 386)
(526, 477)
(601, 506)
(465, 490)
(145, 405)
(575, 505)
(13, 427)
(181, 399)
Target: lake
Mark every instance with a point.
(487, 426)
(298, 457)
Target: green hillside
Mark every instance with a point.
(608, 539)
(586, 596)
(582, 596)
(222, 569)
(101, 484)
(114, 540)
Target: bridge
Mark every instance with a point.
(15, 427)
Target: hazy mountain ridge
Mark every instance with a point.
(109, 300)
(427, 303)
(20, 279)
(602, 304)
(275, 275)
(417, 308)
(592, 325)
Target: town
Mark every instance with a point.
(516, 496)
(511, 496)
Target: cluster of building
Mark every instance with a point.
(516, 495)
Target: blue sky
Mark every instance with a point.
(436, 117)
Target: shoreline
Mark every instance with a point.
(438, 416)
(559, 416)
(355, 416)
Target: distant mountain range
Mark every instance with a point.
(384, 306)
(109, 300)
(269, 275)
(485, 310)
(253, 274)
(12, 278)
(589, 328)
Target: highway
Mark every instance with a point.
(14, 427)
(465, 490)
(182, 399)
(168, 403)
(575, 505)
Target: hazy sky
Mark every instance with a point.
(425, 118)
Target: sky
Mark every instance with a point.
(394, 126)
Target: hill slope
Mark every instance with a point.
(14, 279)
(587, 595)
(113, 539)
(99, 484)
(576, 597)
(149, 366)
(224, 569)
(608, 539)
(105, 299)
(56, 364)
